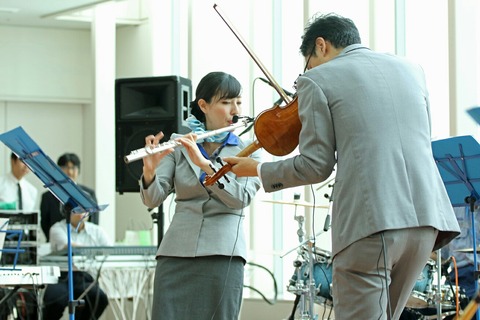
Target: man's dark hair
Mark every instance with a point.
(339, 31)
(69, 157)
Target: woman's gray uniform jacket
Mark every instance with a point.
(206, 220)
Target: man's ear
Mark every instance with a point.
(321, 46)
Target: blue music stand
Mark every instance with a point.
(458, 161)
(475, 114)
(62, 187)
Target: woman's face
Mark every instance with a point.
(219, 112)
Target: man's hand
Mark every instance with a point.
(243, 166)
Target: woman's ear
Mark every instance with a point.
(203, 105)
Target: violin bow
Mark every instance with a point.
(210, 180)
(267, 74)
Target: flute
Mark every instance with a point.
(145, 151)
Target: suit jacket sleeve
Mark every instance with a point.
(316, 160)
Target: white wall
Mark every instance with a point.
(45, 64)
(45, 86)
(465, 66)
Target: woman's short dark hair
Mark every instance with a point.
(214, 84)
(339, 31)
(69, 157)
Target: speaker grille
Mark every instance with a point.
(145, 106)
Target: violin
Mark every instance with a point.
(276, 129)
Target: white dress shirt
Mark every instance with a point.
(90, 236)
(8, 191)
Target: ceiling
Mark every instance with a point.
(43, 13)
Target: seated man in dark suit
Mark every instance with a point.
(50, 206)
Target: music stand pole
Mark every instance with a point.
(72, 304)
(471, 201)
(458, 161)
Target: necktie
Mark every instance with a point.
(19, 190)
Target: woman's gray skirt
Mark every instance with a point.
(201, 288)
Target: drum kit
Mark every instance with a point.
(427, 296)
(312, 278)
(311, 281)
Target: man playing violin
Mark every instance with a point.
(367, 113)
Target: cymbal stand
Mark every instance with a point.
(300, 233)
(306, 292)
(301, 244)
(312, 288)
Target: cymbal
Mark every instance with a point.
(296, 203)
(468, 250)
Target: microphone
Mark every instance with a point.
(235, 118)
(326, 226)
(288, 93)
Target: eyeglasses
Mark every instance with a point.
(306, 66)
(308, 60)
(69, 167)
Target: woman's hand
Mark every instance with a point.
(151, 162)
(189, 141)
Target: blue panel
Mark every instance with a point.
(53, 178)
(475, 113)
(458, 161)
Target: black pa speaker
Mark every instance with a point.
(145, 106)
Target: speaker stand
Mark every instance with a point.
(157, 217)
